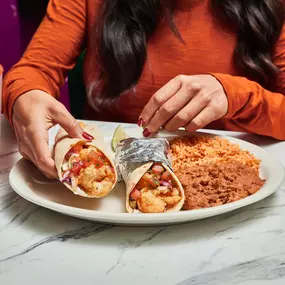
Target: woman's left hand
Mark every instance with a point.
(191, 102)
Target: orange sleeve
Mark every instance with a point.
(254, 108)
(52, 52)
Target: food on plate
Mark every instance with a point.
(84, 167)
(157, 191)
(151, 185)
(87, 168)
(217, 184)
(213, 171)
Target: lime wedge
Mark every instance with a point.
(118, 135)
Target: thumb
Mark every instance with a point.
(74, 129)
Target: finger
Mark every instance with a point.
(159, 98)
(74, 129)
(205, 117)
(170, 108)
(30, 157)
(41, 152)
(22, 146)
(191, 110)
(26, 151)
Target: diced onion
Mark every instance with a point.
(167, 184)
(162, 188)
(65, 167)
(73, 183)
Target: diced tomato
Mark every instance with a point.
(98, 163)
(166, 176)
(93, 158)
(157, 169)
(144, 181)
(135, 194)
(87, 162)
(76, 167)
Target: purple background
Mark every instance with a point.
(10, 44)
(18, 22)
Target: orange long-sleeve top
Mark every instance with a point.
(68, 26)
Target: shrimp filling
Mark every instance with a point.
(87, 169)
(156, 192)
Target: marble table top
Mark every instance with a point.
(38, 246)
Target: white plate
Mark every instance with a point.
(29, 183)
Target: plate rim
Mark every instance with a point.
(156, 218)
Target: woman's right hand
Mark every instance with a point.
(34, 113)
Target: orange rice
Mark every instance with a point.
(198, 150)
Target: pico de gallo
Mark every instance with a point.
(87, 169)
(156, 192)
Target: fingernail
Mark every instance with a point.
(87, 136)
(146, 132)
(141, 122)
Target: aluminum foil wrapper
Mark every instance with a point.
(132, 153)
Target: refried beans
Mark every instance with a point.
(214, 171)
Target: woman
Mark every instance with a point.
(231, 55)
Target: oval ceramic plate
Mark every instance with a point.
(29, 183)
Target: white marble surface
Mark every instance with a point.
(38, 246)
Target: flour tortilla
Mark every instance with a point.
(135, 177)
(63, 143)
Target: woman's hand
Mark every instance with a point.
(34, 113)
(186, 101)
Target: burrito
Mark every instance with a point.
(84, 167)
(151, 185)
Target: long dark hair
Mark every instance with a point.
(124, 27)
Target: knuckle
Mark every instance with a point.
(166, 110)
(75, 124)
(194, 125)
(157, 100)
(182, 118)
(192, 86)
(205, 97)
(196, 86)
(197, 123)
(180, 77)
(188, 86)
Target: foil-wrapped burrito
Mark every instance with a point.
(145, 167)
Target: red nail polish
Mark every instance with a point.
(146, 132)
(87, 136)
(141, 122)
